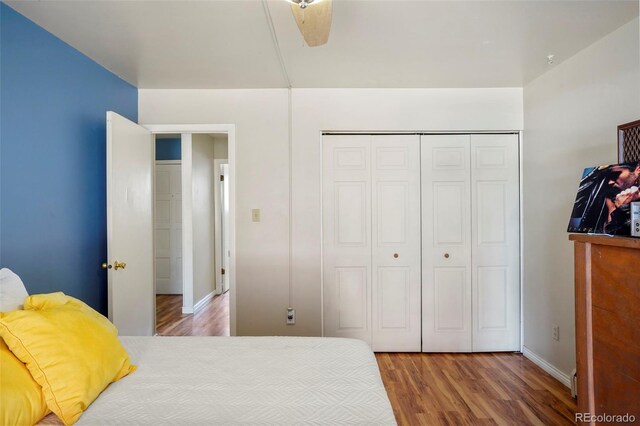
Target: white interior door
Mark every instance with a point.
(226, 253)
(168, 228)
(495, 242)
(395, 227)
(130, 226)
(446, 243)
(346, 201)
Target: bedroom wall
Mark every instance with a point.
(261, 119)
(317, 110)
(52, 160)
(570, 119)
(202, 181)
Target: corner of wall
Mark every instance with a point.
(570, 119)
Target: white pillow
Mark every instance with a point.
(12, 291)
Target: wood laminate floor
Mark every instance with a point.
(212, 320)
(426, 389)
(473, 389)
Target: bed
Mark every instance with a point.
(244, 380)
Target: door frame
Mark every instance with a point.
(218, 224)
(327, 132)
(187, 225)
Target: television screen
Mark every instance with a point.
(603, 202)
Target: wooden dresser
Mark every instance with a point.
(607, 286)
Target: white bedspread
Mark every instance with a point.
(245, 380)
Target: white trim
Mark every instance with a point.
(320, 143)
(419, 132)
(290, 177)
(109, 176)
(187, 310)
(169, 162)
(521, 215)
(186, 149)
(232, 227)
(190, 128)
(217, 231)
(563, 378)
(203, 302)
(230, 130)
(153, 227)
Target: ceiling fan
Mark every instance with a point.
(314, 20)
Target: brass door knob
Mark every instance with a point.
(119, 265)
(105, 265)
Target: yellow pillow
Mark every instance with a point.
(21, 398)
(73, 353)
(39, 302)
(51, 300)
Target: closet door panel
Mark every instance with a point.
(168, 225)
(495, 243)
(395, 218)
(446, 243)
(346, 201)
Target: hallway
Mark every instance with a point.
(212, 320)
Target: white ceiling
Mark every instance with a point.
(373, 43)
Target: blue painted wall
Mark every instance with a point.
(168, 149)
(52, 160)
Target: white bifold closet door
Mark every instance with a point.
(495, 243)
(371, 240)
(446, 243)
(470, 243)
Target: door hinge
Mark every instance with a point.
(222, 271)
(221, 178)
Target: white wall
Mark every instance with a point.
(317, 110)
(262, 256)
(262, 137)
(221, 146)
(202, 180)
(570, 116)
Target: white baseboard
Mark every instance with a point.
(546, 366)
(201, 304)
(187, 310)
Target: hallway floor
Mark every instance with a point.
(212, 320)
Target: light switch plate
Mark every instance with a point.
(291, 316)
(255, 215)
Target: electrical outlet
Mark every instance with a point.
(556, 332)
(291, 316)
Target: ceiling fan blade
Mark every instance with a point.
(314, 22)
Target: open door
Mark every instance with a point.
(130, 227)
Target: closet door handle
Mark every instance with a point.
(446, 255)
(396, 255)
